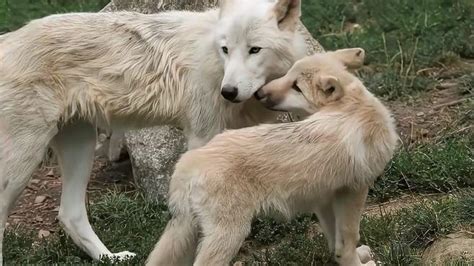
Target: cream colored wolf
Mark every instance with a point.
(64, 75)
(323, 164)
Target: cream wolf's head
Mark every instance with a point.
(313, 82)
(256, 41)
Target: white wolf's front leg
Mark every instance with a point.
(74, 146)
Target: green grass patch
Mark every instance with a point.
(130, 223)
(15, 13)
(402, 37)
(431, 168)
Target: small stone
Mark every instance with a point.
(35, 181)
(50, 173)
(38, 219)
(447, 85)
(40, 199)
(420, 114)
(424, 132)
(43, 233)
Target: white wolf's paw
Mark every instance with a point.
(370, 263)
(365, 254)
(120, 256)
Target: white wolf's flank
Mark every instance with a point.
(64, 75)
(323, 164)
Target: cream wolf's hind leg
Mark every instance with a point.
(75, 145)
(222, 238)
(177, 244)
(22, 148)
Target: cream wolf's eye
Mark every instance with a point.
(255, 50)
(225, 50)
(296, 88)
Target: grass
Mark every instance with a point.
(396, 239)
(404, 39)
(15, 13)
(129, 223)
(429, 168)
(123, 222)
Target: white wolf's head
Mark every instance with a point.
(256, 39)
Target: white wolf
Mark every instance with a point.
(323, 164)
(64, 75)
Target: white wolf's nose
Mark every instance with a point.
(230, 93)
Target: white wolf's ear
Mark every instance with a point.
(352, 58)
(329, 90)
(287, 14)
(224, 5)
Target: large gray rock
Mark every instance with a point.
(453, 248)
(154, 152)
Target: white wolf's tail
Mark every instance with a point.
(177, 245)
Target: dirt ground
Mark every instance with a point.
(38, 205)
(420, 119)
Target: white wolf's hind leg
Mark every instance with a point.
(21, 151)
(115, 145)
(74, 146)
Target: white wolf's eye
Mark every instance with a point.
(255, 50)
(225, 50)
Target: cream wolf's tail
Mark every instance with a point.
(177, 245)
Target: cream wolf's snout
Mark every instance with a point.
(323, 165)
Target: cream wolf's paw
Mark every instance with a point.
(120, 256)
(370, 263)
(365, 254)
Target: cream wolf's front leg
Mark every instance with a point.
(348, 207)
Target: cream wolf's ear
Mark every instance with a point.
(352, 58)
(287, 13)
(329, 89)
(224, 6)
